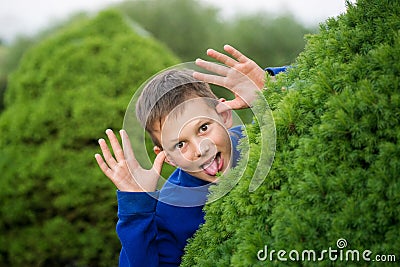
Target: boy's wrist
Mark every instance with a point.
(136, 202)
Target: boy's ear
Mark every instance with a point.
(226, 114)
(157, 150)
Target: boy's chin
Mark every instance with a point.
(202, 175)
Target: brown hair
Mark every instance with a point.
(166, 91)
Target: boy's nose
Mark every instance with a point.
(202, 147)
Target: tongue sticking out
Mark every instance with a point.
(215, 166)
(212, 169)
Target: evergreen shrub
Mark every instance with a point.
(337, 162)
(57, 208)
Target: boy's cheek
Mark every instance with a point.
(170, 160)
(179, 161)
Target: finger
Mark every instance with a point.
(130, 156)
(236, 54)
(221, 57)
(212, 67)
(209, 78)
(236, 103)
(103, 166)
(159, 161)
(118, 152)
(106, 153)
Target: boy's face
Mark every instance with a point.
(195, 138)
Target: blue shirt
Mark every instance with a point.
(154, 227)
(276, 70)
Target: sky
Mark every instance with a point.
(25, 17)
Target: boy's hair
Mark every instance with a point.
(165, 92)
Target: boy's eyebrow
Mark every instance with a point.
(200, 122)
(174, 140)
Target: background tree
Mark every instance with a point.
(3, 73)
(337, 164)
(269, 40)
(58, 209)
(11, 54)
(189, 27)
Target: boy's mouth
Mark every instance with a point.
(214, 165)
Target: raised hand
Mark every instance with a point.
(239, 74)
(124, 170)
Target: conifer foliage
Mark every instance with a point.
(57, 208)
(337, 163)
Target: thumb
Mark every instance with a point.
(158, 162)
(236, 103)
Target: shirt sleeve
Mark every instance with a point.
(275, 70)
(137, 229)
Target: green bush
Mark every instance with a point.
(57, 208)
(337, 164)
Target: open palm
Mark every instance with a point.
(124, 170)
(239, 74)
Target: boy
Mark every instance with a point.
(189, 127)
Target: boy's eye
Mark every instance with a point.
(180, 145)
(203, 128)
